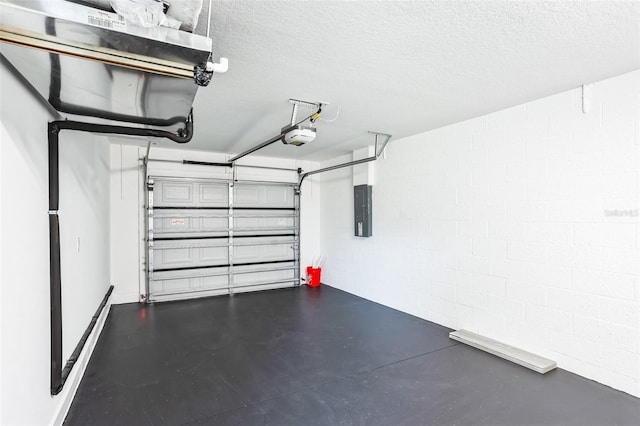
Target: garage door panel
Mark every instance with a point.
(257, 277)
(262, 253)
(276, 196)
(246, 196)
(265, 196)
(191, 194)
(164, 286)
(214, 255)
(174, 257)
(176, 193)
(214, 194)
(169, 297)
(188, 242)
(265, 240)
(194, 284)
(173, 274)
(264, 222)
(176, 224)
(221, 223)
(214, 237)
(190, 257)
(215, 282)
(170, 224)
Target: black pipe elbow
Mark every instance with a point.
(186, 134)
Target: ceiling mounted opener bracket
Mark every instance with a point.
(297, 102)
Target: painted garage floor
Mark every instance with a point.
(316, 356)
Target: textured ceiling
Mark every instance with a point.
(399, 67)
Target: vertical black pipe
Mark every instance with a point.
(54, 180)
(55, 82)
(56, 305)
(55, 280)
(58, 376)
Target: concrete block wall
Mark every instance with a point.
(522, 225)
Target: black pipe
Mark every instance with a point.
(55, 280)
(54, 179)
(205, 163)
(83, 340)
(187, 268)
(265, 208)
(220, 208)
(221, 237)
(188, 208)
(182, 135)
(263, 235)
(94, 112)
(55, 294)
(59, 375)
(215, 237)
(214, 164)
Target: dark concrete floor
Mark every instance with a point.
(316, 356)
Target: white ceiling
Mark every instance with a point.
(400, 67)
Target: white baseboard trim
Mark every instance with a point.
(73, 381)
(120, 298)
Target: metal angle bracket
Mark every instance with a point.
(382, 145)
(297, 102)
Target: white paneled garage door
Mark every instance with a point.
(209, 237)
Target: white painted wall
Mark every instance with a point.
(3, 136)
(125, 237)
(501, 225)
(128, 228)
(24, 264)
(84, 230)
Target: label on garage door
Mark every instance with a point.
(177, 222)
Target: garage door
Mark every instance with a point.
(208, 237)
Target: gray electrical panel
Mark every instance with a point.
(362, 210)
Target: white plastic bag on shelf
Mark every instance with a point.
(145, 13)
(171, 22)
(185, 11)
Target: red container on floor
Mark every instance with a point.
(313, 276)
